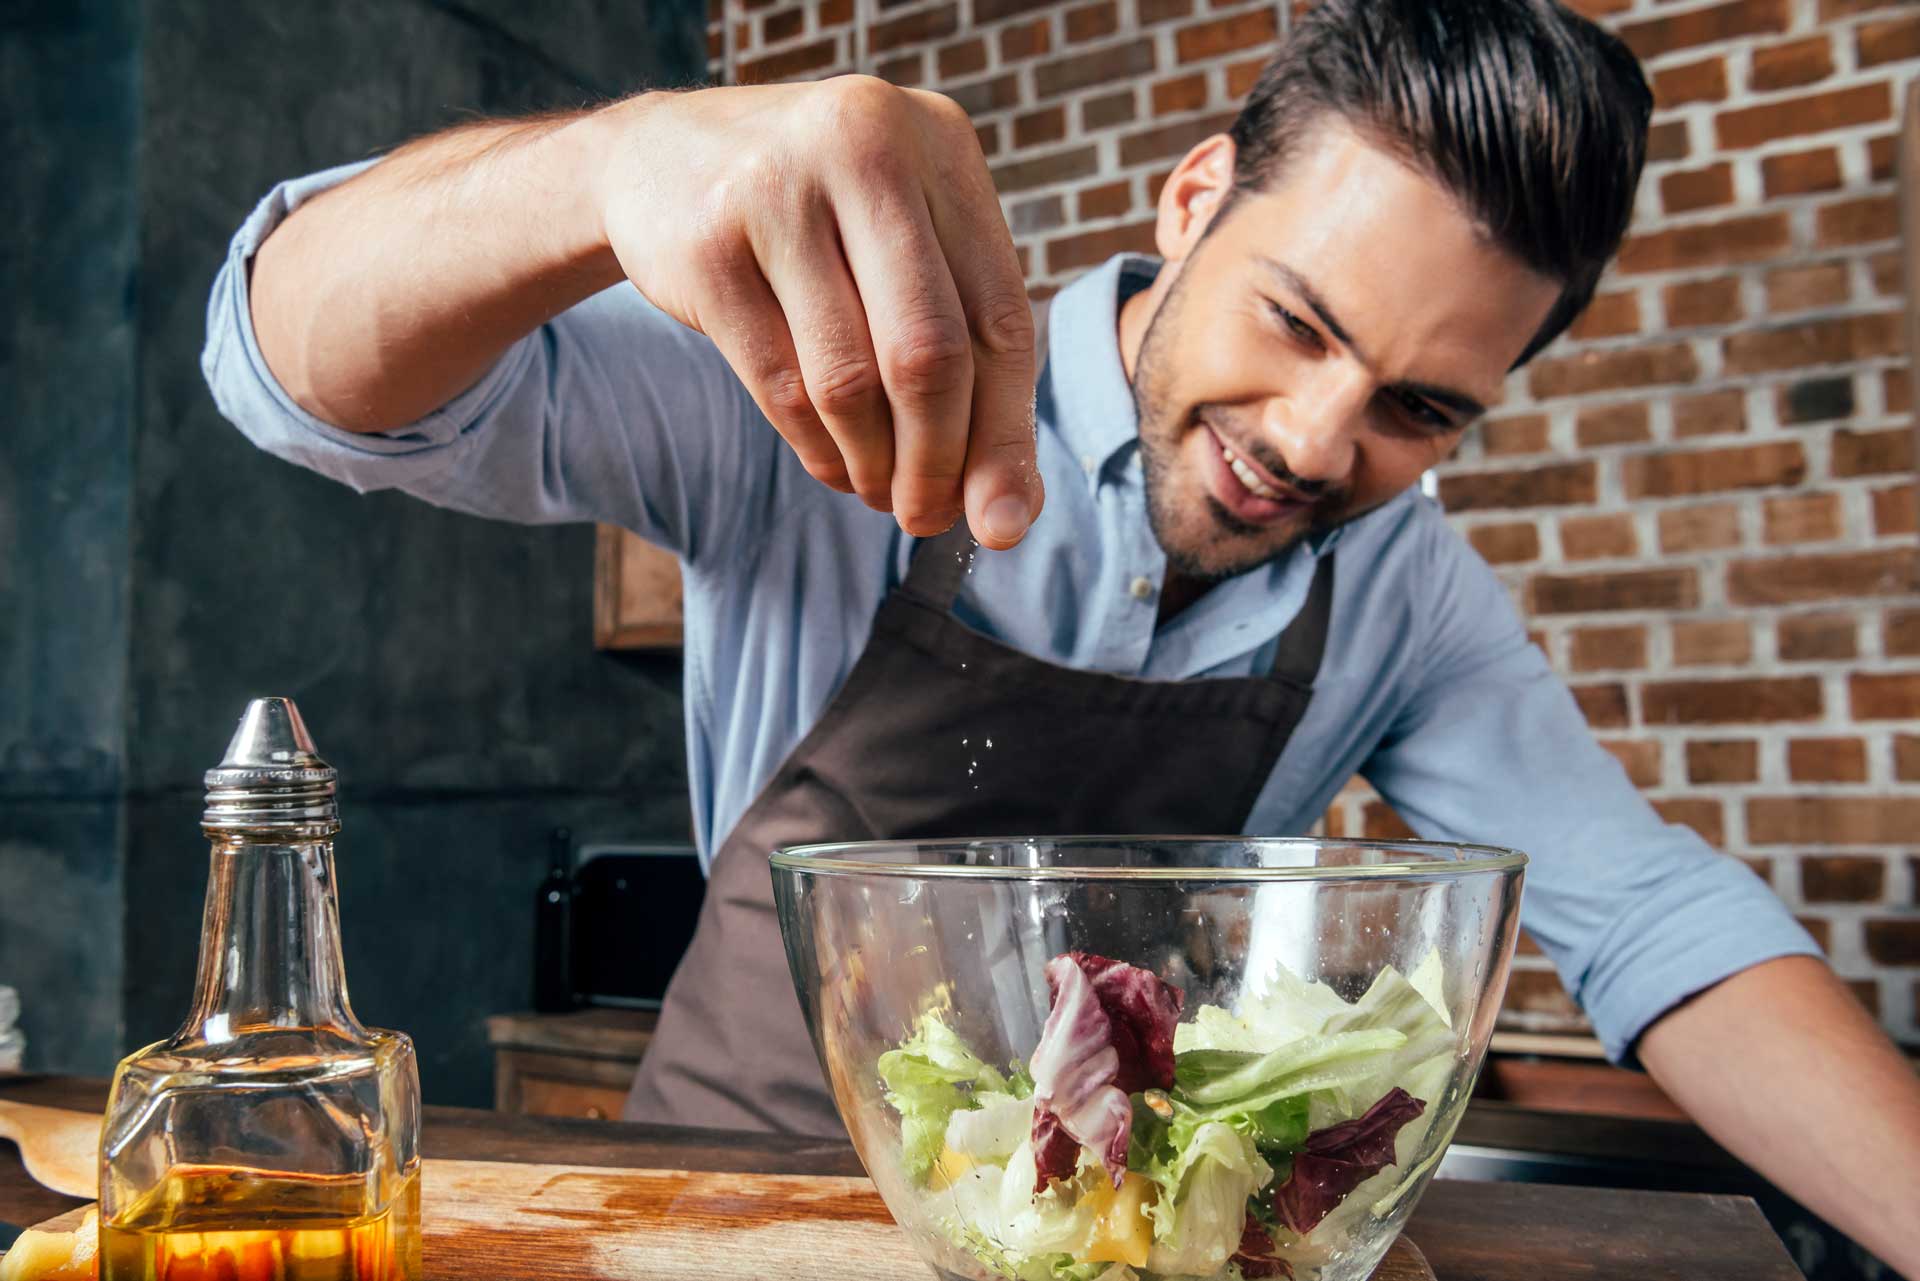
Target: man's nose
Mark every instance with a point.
(1317, 423)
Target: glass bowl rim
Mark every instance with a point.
(831, 858)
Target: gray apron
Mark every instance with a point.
(1096, 753)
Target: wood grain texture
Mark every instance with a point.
(636, 593)
(511, 1222)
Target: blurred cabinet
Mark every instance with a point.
(636, 593)
(577, 1064)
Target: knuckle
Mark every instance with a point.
(845, 385)
(930, 357)
(786, 394)
(1003, 325)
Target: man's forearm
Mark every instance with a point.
(380, 300)
(1783, 1067)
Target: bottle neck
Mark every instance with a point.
(270, 940)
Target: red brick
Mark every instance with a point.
(1703, 816)
(1224, 35)
(1815, 638)
(966, 58)
(1183, 93)
(1748, 700)
(835, 13)
(1058, 166)
(1804, 288)
(1171, 140)
(1026, 40)
(1100, 66)
(1604, 706)
(1598, 537)
(1815, 342)
(788, 63)
(1506, 544)
(1724, 760)
(1107, 201)
(914, 29)
(1827, 760)
(1049, 124)
(1668, 141)
(1801, 172)
(1840, 879)
(1029, 217)
(1626, 424)
(1785, 580)
(1554, 485)
(1653, 37)
(1812, 400)
(989, 136)
(1832, 820)
(784, 25)
(1612, 371)
(1689, 189)
(1889, 273)
(1858, 222)
(1792, 64)
(1614, 590)
(1609, 316)
(1753, 127)
(1900, 635)
(1242, 76)
(1895, 512)
(1152, 11)
(1884, 696)
(1108, 110)
(1822, 931)
(996, 93)
(1895, 40)
(716, 50)
(1873, 453)
(1711, 642)
(986, 11)
(1639, 757)
(1702, 81)
(1906, 761)
(1700, 529)
(1801, 518)
(1752, 238)
(1605, 649)
(1709, 414)
(1893, 941)
(1703, 302)
(1882, 156)
(1523, 435)
(1090, 247)
(1707, 471)
(1091, 21)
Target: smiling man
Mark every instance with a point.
(782, 332)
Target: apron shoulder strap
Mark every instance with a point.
(1304, 642)
(940, 563)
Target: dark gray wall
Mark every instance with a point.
(444, 664)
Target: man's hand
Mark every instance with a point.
(842, 244)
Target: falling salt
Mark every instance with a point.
(989, 744)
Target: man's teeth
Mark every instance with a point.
(1247, 477)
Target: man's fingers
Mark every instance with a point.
(1003, 490)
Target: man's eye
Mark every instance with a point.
(1297, 327)
(1421, 411)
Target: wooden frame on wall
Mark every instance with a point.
(636, 593)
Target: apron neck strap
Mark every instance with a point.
(1305, 641)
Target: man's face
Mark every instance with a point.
(1315, 349)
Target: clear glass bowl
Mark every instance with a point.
(1336, 998)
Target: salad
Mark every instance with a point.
(1257, 1142)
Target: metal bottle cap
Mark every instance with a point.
(272, 777)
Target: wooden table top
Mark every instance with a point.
(1468, 1231)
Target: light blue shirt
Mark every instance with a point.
(614, 412)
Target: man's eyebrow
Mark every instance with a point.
(1457, 401)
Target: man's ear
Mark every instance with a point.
(1193, 196)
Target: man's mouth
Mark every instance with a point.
(1245, 489)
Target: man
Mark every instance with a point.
(1416, 198)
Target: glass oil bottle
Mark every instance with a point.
(273, 1137)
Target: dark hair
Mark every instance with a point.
(1534, 117)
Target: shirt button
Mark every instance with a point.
(1141, 587)
(1086, 463)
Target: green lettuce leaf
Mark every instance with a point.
(1206, 1171)
(929, 1077)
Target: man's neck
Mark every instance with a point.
(1177, 593)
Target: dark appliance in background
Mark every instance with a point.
(612, 922)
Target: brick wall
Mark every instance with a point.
(1703, 497)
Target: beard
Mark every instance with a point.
(1202, 539)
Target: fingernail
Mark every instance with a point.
(1006, 518)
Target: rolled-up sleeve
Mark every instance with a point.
(611, 412)
(1635, 913)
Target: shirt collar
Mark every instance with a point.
(1092, 398)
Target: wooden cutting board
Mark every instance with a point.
(509, 1222)
(60, 1148)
